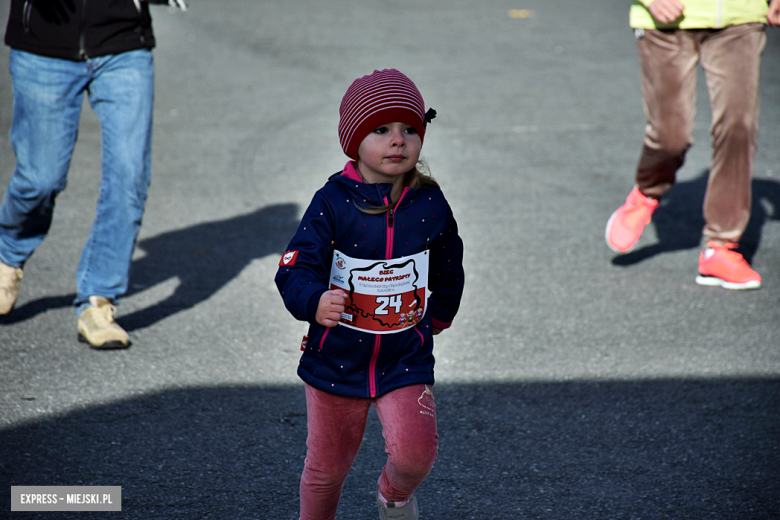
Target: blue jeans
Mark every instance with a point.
(48, 94)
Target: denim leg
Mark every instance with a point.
(48, 93)
(121, 94)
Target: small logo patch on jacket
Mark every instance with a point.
(288, 258)
(304, 342)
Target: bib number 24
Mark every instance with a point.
(384, 302)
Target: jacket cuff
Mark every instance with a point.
(312, 305)
(440, 324)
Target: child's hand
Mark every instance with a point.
(666, 11)
(330, 307)
(436, 331)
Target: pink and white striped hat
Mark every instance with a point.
(386, 96)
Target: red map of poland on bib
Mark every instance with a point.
(384, 296)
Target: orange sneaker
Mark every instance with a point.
(625, 226)
(721, 265)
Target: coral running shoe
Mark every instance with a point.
(625, 226)
(721, 265)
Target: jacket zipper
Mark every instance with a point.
(388, 256)
(390, 223)
(26, 11)
(82, 32)
(372, 367)
(389, 235)
(140, 20)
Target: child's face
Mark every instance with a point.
(388, 152)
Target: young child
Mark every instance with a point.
(375, 241)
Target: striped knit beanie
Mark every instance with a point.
(386, 96)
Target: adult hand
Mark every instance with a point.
(330, 307)
(436, 331)
(773, 16)
(666, 11)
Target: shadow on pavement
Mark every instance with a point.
(678, 220)
(204, 258)
(36, 307)
(645, 449)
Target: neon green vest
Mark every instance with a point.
(702, 14)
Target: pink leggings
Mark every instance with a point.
(336, 427)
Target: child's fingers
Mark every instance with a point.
(339, 295)
(330, 323)
(329, 319)
(330, 307)
(334, 316)
(336, 305)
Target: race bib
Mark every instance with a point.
(384, 296)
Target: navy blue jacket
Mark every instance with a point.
(349, 362)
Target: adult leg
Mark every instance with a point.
(408, 417)
(47, 104)
(668, 60)
(121, 94)
(731, 59)
(336, 427)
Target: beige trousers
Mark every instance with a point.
(731, 60)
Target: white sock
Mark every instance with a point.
(397, 503)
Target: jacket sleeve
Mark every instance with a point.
(303, 278)
(446, 277)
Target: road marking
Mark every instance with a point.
(520, 13)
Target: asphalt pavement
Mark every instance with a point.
(574, 384)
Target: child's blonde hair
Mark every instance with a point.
(418, 178)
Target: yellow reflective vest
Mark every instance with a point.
(702, 14)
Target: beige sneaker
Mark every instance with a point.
(97, 326)
(9, 287)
